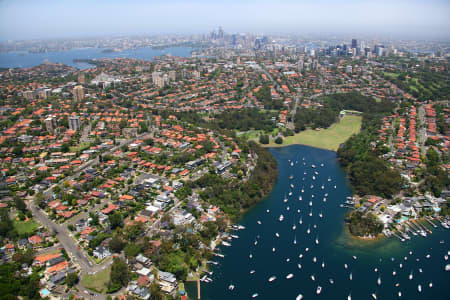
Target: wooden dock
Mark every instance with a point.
(198, 289)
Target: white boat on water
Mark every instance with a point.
(300, 221)
(430, 284)
(290, 194)
(299, 266)
(299, 297)
(313, 166)
(411, 275)
(281, 218)
(379, 281)
(374, 296)
(295, 240)
(231, 287)
(323, 265)
(310, 203)
(272, 278)
(399, 294)
(329, 179)
(331, 280)
(320, 215)
(351, 276)
(317, 241)
(313, 278)
(273, 249)
(277, 234)
(310, 213)
(259, 222)
(314, 259)
(255, 295)
(252, 271)
(308, 231)
(285, 198)
(419, 288)
(289, 276)
(394, 273)
(354, 257)
(251, 256)
(318, 290)
(300, 198)
(346, 266)
(226, 244)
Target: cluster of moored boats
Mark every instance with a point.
(290, 204)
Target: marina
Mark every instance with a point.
(394, 267)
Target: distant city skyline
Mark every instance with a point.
(42, 19)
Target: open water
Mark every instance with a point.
(335, 249)
(27, 60)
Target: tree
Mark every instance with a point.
(119, 276)
(116, 244)
(115, 220)
(71, 279)
(20, 204)
(264, 139)
(279, 140)
(6, 224)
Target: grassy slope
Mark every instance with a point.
(329, 138)
(98, 281)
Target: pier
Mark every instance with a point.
(198, 289)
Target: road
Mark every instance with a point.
(64, 239)
(422, 129)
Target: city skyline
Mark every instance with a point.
(67, 19)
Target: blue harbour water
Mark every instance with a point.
(26, 60)
(336, 247)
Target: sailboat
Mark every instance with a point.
(320, 214)
(300, 221)
(295, 240)
(317, 240)
(300, 198)
(277, 234)
(310, 213)
(323, 265)
(231, 287)
(351, 276)
(411, 275)
(379, 280)
(349, 297)
(310, 203)
(308, 231)
(285, 198)
(319, 290)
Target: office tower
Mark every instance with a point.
(172, 75)
(81, 78)
(78, 93)
(50, 123)
(354, 43)
(74, 123)
(348, 69)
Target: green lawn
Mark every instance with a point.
(329, 138)
(97, 282)
(25, 227)
(81, 147)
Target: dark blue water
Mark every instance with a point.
(26, 60)
(335, 247)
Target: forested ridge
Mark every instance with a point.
(369, 174)
(232, 196)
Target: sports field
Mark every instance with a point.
(329, 138)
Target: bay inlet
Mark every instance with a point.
(313, 244)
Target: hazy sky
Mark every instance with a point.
(26, 19)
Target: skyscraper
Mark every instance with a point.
(74, 123)
(354, 43)
(78, 93)
(50, 123)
